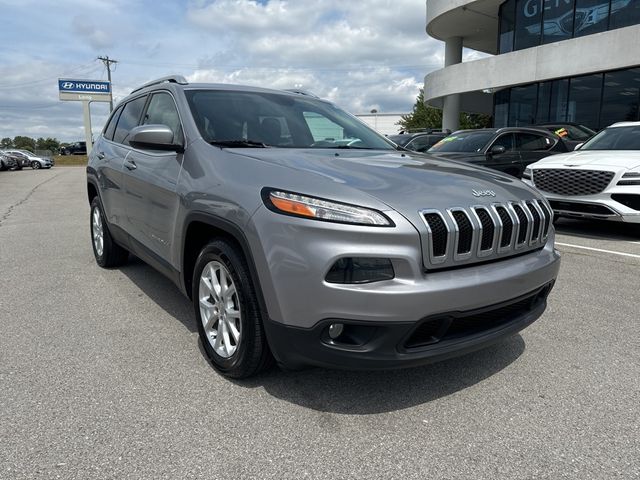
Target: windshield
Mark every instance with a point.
(616, 138)
(465, 142)
(258, 119)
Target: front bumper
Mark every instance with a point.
(381, 345)
(618, 203)
(292, 257)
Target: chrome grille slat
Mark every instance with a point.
(567, 182)
(466, 235)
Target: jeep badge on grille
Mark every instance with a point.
(483, 193)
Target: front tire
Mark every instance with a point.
(228, 313)
(108, 254)
(35, 165)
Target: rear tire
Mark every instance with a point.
(108, 254)
(228, 313)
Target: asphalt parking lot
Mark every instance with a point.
(101, 375)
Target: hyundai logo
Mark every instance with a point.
(483, 193)
(67, 85)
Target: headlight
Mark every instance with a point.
(298, 205)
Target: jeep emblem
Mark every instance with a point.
(483, 193)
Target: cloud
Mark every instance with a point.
(360, 55)
(98, 38)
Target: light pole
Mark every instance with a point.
(375, 118)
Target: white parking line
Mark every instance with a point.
(633, 255)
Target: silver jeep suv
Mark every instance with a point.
(302, 235)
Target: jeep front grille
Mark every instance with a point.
(464, 235)
(571, 182)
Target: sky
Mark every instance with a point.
(359, 54)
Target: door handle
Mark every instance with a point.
(100, 155)
(130, 164)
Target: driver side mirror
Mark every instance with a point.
(497, 150)
(153, 137)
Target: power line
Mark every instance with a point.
(107, 63)
(30, 83)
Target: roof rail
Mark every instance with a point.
(301, 92)
(179, 79)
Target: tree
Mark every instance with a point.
(6, 142)
(24, 143)
(475, 120)
(48, 143)
(424, 116)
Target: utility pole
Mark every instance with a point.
(107, 63)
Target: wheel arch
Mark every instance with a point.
(199, 229)
(92, 191)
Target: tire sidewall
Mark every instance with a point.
(221, 252)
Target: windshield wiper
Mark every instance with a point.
(350, 147)
(238, 143)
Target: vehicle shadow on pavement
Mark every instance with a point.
(161, 290)
(363, 393)
(595, 229)
(344, 391)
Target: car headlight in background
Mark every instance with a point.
(304, 206)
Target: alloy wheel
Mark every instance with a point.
(220, 309)
(97, 230)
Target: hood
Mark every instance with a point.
(593, 158)
(405, 181)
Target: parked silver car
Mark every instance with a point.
(27, 158)
(295, 244)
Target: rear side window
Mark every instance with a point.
(111, 126)
(531, 142)
(129, 118)
(162, 111)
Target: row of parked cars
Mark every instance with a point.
(19, 159)
(581, 173)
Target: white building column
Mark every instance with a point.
(451, 103)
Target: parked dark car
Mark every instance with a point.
(78, 148)
(573, 134)
(9, 162)
(419, 141)
(508, 149)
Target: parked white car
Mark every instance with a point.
(601, 179)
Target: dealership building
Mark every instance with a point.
(550, 60)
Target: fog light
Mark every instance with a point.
(335, 330)
(354, 270)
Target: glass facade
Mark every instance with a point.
(596, 100)
(529, 23)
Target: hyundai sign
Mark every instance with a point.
(84, 90)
